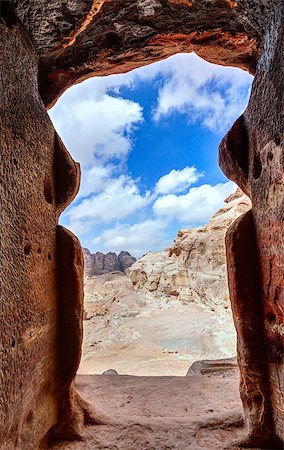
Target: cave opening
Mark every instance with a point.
(41, 261)
(150, 184)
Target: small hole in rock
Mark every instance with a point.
(8, 14)
(49, 256)
(257, 167)
(271, 317)
(39, 251)
(13, 343)
(47, 190)
(28, 248)
(277, 139)
(30, 417)
(269, 156)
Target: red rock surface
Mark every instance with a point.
(41, 266)
(72, 41)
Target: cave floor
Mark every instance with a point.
(200, 412)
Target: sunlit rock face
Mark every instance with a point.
(70, 42)
(193, 269)
(171, 308)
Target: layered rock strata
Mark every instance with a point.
(193, 269)
(100, 263)
(47, 47)
(41, 264)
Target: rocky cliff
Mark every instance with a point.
(172, 307)
(100, 263)
(193, 269)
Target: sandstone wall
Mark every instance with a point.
(28, 309)
(71, 41)
(41, 329)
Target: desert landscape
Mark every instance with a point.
(166, 310)
(159, 344)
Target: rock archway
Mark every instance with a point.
(45, 48)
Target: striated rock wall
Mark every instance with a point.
(100, 37)
(41, 265)
(68, 42)
(193, 269)
(100, 263)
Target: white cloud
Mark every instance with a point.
(96, 128)
(195, 207)
(212, 94)
(137, 239)
(177, 180)
(119, 199)
(94, 180)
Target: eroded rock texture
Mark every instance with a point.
(259, 169)
(100, 37)
(69, 41)
(41, 280)
(193, 268)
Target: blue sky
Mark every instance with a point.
(147, 143)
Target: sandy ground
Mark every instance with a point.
(200, 412)
(139, 334)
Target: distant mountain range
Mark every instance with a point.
(100, 263)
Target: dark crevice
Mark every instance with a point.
(271, 317)
(257, 166)
(7, 13)
(28, 249)
(48, 190)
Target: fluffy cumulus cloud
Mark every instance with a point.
(95, 179)
(98, 124)
(177, 180)
(119, 198)
(148, 235)
(196, 206)
(212, 94)
(97, 129)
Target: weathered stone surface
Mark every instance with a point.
(173, 413)
(118, 36)
(207, 366)
(259, 297)
(28, 306)
(138, 332)
(115, 36)
(193, 269)
(39, 352)
(100, 263)
(111, 262)
(245, 290)
(88, 262)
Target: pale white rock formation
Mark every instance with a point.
(170, 311)
(193, 269)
